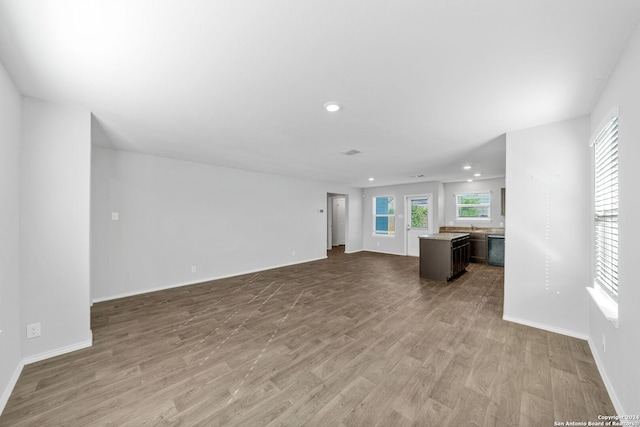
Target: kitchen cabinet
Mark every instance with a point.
(443, 256)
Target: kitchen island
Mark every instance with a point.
(478, 240)
(443, 256)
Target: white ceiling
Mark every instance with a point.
(426, 86)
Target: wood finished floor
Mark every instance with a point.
(354, 340)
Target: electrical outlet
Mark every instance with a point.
(193, 269)
(33, 330)
(115, 216)
(293, 253)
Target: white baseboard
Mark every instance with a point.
(546, 327)
(382, 252)
(12, 384)
(36, 358)
(605, 378)
(58, 351)
(200, 280)
(354, 252)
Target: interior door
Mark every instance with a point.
(418, 222)
(339, 223)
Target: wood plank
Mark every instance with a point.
(370, 410)
(342, 404)
(566, 388)
(484, 371)
(450, 384)
(470, 409)
(416, 394)
(536, 411)
(506, 404)
(537, 374)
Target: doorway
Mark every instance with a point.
(419, 220)
(336, 220)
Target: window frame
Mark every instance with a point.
(473, 218)
(391, 217)
(609, 285)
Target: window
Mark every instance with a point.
(473, 205)
(384, 219)
(419, 213)
(606, 207)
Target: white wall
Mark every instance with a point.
(491, 185)
(620, 361)
(175, 214)
(10, 353)
(54, 227)
(548, 239)
(396, 245)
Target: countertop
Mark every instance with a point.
(443, 236)
(475, 230)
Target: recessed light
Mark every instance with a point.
(371, 179)
(469, 180)
(477, 174)
(332, 107)
(466, 167)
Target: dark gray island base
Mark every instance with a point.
(443, 256)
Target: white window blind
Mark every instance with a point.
(606, 208)
(473, 205)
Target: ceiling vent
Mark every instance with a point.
(351, 152)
